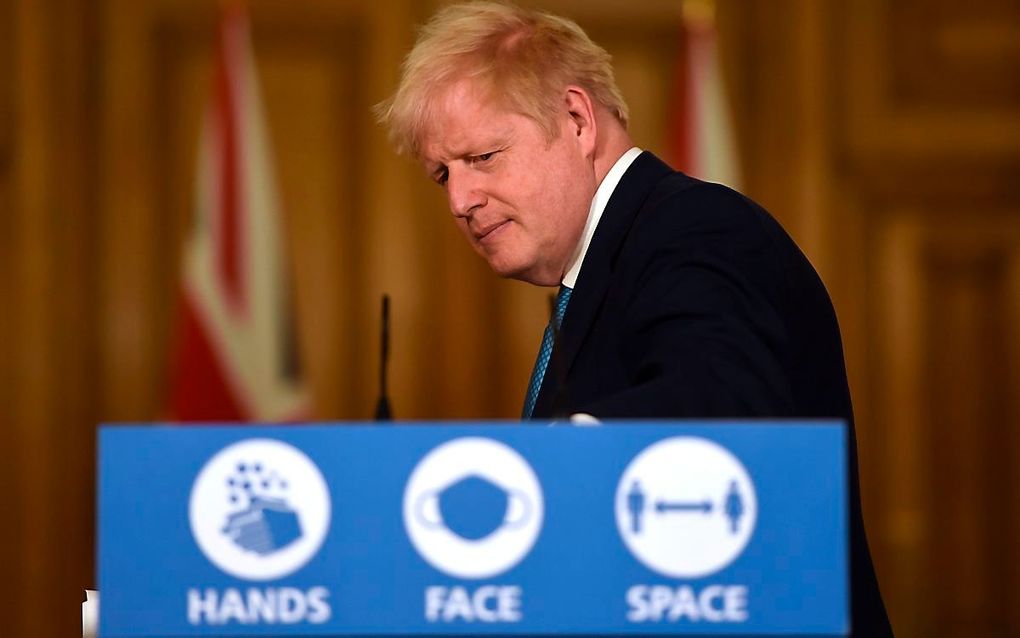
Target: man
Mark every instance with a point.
(677, 298)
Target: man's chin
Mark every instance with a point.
(506, 271)
(527, 273)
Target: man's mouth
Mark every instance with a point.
(487, 231)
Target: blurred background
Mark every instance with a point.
(883, 134)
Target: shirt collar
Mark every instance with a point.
(598, 206)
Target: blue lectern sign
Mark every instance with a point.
(498, 529)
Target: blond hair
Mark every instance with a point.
(521, 58)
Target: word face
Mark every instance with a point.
(488, 603)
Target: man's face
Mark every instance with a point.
(521, 200)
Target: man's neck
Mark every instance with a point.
(613, 142)
(599, 201)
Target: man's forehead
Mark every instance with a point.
(463, 119)
(464, 94)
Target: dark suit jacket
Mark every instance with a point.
(692, 301)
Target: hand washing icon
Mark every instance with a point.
(473, 508)
(266, 523)
(264, 527)
(259, 509)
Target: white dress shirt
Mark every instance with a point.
(598, 206)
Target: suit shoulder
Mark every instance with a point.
(684, 205)
(688, 221)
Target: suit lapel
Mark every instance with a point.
(596, 269)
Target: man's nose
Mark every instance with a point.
(464, 193)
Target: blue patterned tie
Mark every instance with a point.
(542, 362)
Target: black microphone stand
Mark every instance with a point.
(383, 412)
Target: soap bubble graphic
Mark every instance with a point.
(264, 522)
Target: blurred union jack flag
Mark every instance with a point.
(235, 356)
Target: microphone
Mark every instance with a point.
(382, 406)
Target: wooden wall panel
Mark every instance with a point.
(944, 372)
(895, 472)
(8, 92)
(46, 273)
(927, 147)
(10, 478)
(926, 80)
(645, 56)
(950, 55)
(967, 269)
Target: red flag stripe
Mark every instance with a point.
(201, 390)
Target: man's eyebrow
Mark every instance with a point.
(434, 168)
(496, 141)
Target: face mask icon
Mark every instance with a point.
(473, 508)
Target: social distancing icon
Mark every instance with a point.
(685, 507)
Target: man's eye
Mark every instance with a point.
(484, 157)
(441, 177)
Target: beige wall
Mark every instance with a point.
(885, 135)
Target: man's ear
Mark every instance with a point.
(581, 110)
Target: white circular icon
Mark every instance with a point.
(259, 509)
(473, 507)
(685, 507)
